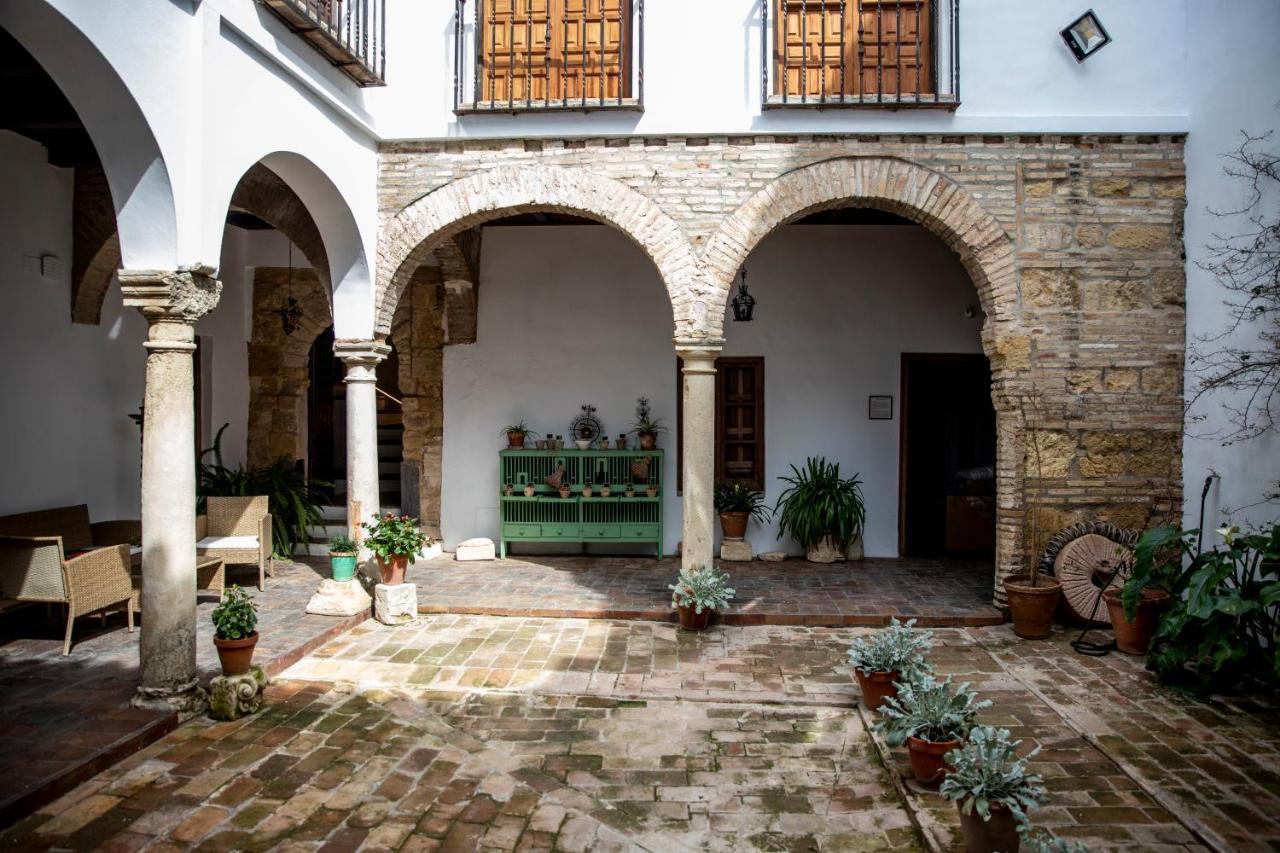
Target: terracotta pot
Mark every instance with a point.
(515, 440)
(508, 490)
(876, 687)
(691, 621)
(586, 491)
(734, 524)
(999, 834)
(565, 491)
(926, 759)
(393, 572)
(530, 491)
(652, 491)
(1134, 638)
(648, 440)
(236, 656)
(1031, 607)
(605, 491)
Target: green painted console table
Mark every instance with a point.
(547, 517)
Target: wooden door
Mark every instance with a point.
(830, 48)
(554, 51)
(740, 421)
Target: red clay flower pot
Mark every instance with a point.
(393, 572)
(734, 524)
(926, 759)
(236, 656)
(876, 687)
(515, 440)
(648, 440)
(997, 835)
(1134, 638)
(1032, 607)
(691, 621)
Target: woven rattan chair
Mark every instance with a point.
(34, 568)
(238, 530)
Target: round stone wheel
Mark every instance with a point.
(1083, 566)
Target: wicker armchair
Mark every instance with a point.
(238, 530)
(34, 568)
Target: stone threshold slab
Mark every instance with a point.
(811, 620)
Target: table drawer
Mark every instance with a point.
(638, 531)
(560, 531)
(601, 531)
(522, 531)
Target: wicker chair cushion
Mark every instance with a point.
(69, 522)
(248, 543)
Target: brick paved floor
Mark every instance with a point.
(794, 592)
(45, 746)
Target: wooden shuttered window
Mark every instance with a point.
(554, 51)
(739, 428)
(853, 48)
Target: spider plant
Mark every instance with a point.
(739, 497)
(818, 503)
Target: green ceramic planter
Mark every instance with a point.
(344, 566)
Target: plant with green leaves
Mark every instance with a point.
(517, 428)
(986, 771)
(702, 589)
(739, 497)
(929, 709)
(819, 504)
(295, 502)
(343, 546)
(1223, 621)
(645, 422)
(394, 535)
(236, 616)
(898, 648)
(1043, 841)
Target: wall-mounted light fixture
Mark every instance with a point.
(744, 304)
(290, 312)
(1085, 36)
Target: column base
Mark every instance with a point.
(187, 700)
(735, 550)
(339, 598)
(236, 696)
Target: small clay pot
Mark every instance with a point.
(734, 524)
(926, 759)
(876, 687)
(393, 571)
(648, 440)
(997, 834)
(630, 492)
(1032, 607)
(530, 491)
(621, 443)
(605, 491)
(586, 491)
(508, 490)
(565, 491)
(515, 440)
(691, 621)
(1134, 638)
(236, 656)
(652, 491)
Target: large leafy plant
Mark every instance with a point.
(929, 709)
(236, 616)
(395, 536)
(898, 648)
(1223, 620)
(701, 589)
(739, 497)
(294, 501)
(987, 770)
(819, 503)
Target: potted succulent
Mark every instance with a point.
(646, 426)
(932, 718)
(697, 593)
(992, 789)
(630, 490)
(821, 510)
(887, 657)
(515, 434)
(342, 557)
(396, 540)
(235, 630)
(605, 490)
(737, 504)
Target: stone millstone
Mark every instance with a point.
(395, 605)
(234, 696)
(339, 598)
(475, 549)
(735, 551)
(773, 556)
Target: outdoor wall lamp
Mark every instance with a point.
(744, 304)
(1085, 36)
(291, 311)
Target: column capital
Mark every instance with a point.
(362, 357)
(698, 356)
(183, 295)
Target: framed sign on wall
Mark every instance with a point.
(880, 407)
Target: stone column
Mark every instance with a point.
(171, 302)
(362, 359)
(698, 366)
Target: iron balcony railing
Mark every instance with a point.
(860, 53)
(548, 55)
(351, 33)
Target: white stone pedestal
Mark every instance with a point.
(339, 598)
(475, 549)
(735, 551)
(395, 605)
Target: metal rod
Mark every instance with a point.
(582, 46)
(861, 47)
(528, 56)
(955, 46)
(600, 52)
(843, 58)
(919, 59)
(564, 54)
(804, 51)
(546, 61)
(457, 53)
(879, 53)
(766, 61)
(492, 52)
(511, 58)
(897, 49)
(822, 48)
(640, 50)
(478, 73)
(382, 42)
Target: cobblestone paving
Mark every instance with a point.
(795, 592)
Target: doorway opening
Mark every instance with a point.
(947, 495)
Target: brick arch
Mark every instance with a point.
(418, 228)
(986, 251)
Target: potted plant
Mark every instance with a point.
(1136, 607)
(886, 657)
(342, 557)
(530, 490)
(630, 490)
(235, 630)
(396, 540)
(737, 504)
(515, 434)
(821, 510)
(992, 789)
(931, 718)
(646, 426)
(697, 593)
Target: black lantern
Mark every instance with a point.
(1085, 36)
(291, 312)
(744, 304)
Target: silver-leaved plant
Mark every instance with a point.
(899, 648)
(987, 770)
(929, 709)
